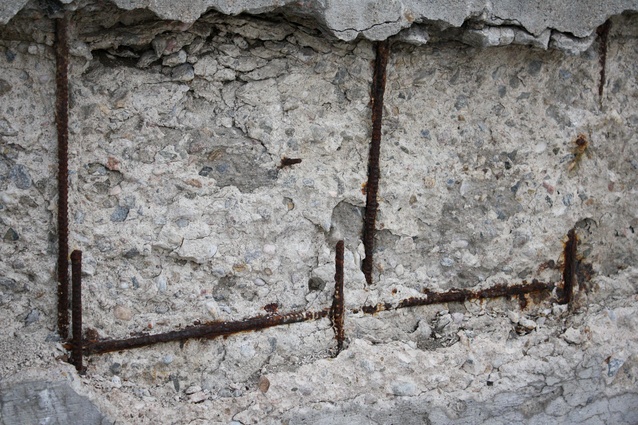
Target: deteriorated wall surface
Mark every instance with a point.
(185, 213)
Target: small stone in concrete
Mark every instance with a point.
(192, 389)
(263, 384)
(120, 214)
(5, 87)
(316, 284)
(572, 336)
(32, 317)
(6, 129)
(20, 177)
(123, 313)
(147, 59)
(403, 388)
(175, 59)
(184, 72)
(116, 368)
(614, 366)
(197, 397)
(198, 250)
(11, 235)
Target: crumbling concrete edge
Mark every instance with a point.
(566, 26)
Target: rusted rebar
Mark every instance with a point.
(570, 267)
(372, 205)
(603, 36)
(287, 162)
(338, 305)
(62, 125)
(336, 314)
(76, 309)
(462, 295)
(208, 331)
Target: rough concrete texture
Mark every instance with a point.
(488, 22)
(182, 210)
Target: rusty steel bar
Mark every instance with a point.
(570, 267)
(62, 126)
(603, 37)
(338, 305)
(208, 330)
(372, 187)
(462, 295)
(76, 309)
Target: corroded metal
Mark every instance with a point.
(62, 126)
(372, 204)
(603, 36)
(570, 267)
(207, 330)
(337, 312)
(76, 309)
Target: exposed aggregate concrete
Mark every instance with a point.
(184, 215)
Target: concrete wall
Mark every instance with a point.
(489, 156)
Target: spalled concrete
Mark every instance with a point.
(186, 212)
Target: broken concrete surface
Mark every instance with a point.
(184, 215)
(379, 20)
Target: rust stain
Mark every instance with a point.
(271, 308)
(580, 150)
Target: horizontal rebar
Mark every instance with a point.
(225, 328)
(462, 295)
(208, 331)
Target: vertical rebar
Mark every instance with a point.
(603, 36)
(76, 308)
(569, 270)
(62, 125)
(372, 205)
(338, 304)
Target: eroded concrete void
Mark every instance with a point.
(178, 200)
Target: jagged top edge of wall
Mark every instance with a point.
(567, 26)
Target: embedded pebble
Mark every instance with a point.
(119, 214)
(270, 249)
(263, 384)
(116, 368)
(402, 388)
(123, 313)
(184, 72)
(192, 389)
(32, 317)
(212, 308)
(20, 177)
(174, 59)
(247, 350)
(11, 235)
(458, 318)
(197, 397)
(161, 283)
(572, 336)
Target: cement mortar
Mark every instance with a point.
(184, 215)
